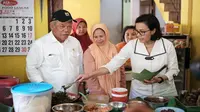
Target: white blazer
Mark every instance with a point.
(54, 62)
(163, 53)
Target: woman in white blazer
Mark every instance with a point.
(149, 51)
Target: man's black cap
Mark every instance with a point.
(62, 16)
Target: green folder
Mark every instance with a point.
(146, 74)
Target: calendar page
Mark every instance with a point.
(16, 26)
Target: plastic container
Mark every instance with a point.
(119, 94)
(169, 28)
(32, 97)
(5, 108)
(187, 108)
(176, 28)
(6, 82)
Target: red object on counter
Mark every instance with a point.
(6, 82)
(120, 94)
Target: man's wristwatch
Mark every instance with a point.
(162, 80)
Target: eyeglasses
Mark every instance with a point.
(141, 33)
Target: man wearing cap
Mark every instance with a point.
(56, 57)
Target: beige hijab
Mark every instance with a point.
(102, 55)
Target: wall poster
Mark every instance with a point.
(16, 26)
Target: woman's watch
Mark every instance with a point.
(161, 80)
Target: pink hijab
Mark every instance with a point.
(102, 55)
(83, 39)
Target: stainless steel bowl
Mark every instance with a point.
(155, 102)
(102, 105)
(138, 101)
(97, 107)
(134, 103)
(68, 107)
(119, 106)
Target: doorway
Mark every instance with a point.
(53, 5)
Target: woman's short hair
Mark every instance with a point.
(152, 22)
(124, 31)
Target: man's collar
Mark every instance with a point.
(52, 38)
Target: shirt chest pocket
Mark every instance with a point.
(74, 57)
(53, 60)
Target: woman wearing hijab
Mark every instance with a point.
(80, 33)
(98, 54)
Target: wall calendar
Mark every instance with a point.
(16, 26)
